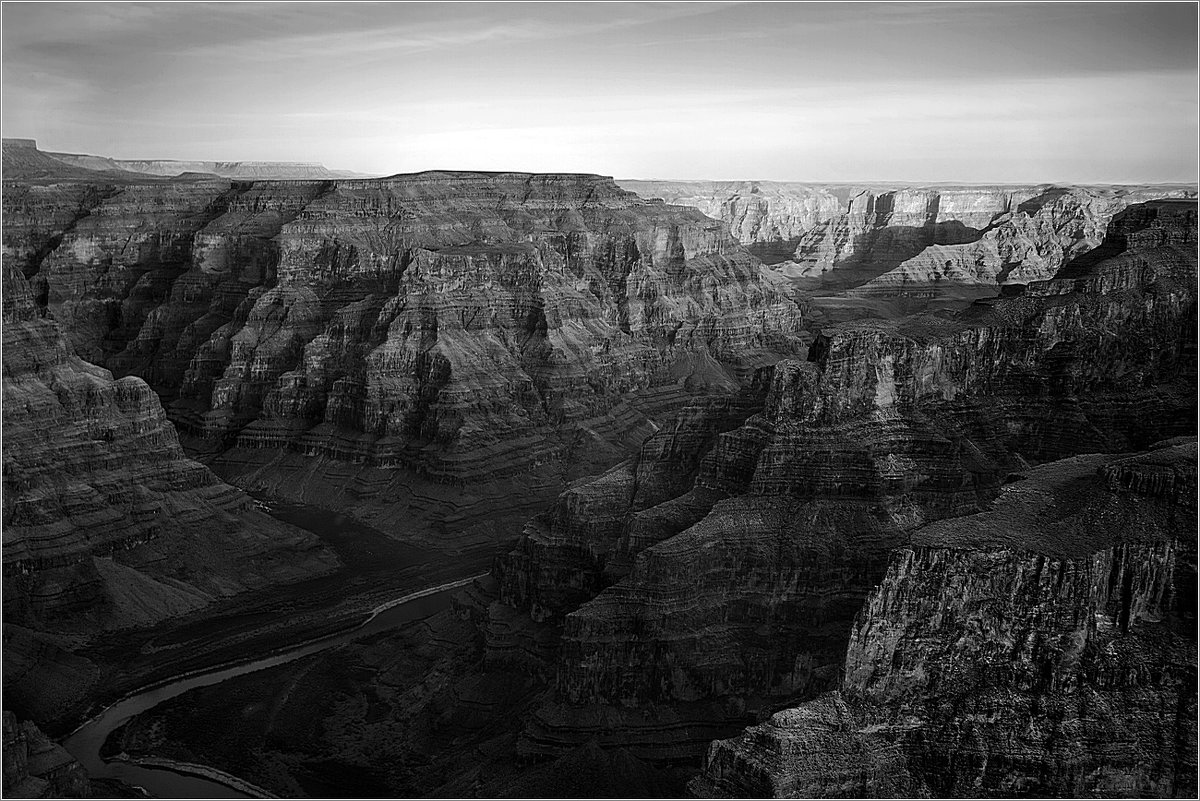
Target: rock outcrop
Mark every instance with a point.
(37, 767)
(737, 590)
(887, 239)
(463, 325)
(1045, 647)
(435, 354)
(762, 213)
(107, 524)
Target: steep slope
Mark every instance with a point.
(37, 767)
(715, 577)
(466, 327)
(880, 240)
(1045, 647)
(744, 584)
(107, 525)
(766, 214)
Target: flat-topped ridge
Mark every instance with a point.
(1053, 510)
(950, 186)
(510, 174)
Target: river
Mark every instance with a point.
(85, 742)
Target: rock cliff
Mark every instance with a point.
(37, 767)
(463, 325)
(888, 239)
(760, 213)
(436, 354)
(736, 589)
(1045, 647)
(107, 524)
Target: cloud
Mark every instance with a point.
(904, 90)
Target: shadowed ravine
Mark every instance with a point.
(85, 743)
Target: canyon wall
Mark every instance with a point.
(458, 347)
(37, 767)
(1045, 647)
(451, 323)
(435, 354)
(720, 596)
(880, 239)
(107, 524)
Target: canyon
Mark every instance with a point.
(771, 478)
(107, 523)
(468, 345)
(508, 331)
(892, 250)
(748, 583)
(1045, 646)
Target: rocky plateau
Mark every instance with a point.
(245, 170)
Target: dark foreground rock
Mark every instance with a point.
(1045, 647)
(37, 767)
(725, 572)
(744, 585)
(107, 524)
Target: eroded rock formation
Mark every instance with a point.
(885, 239)
(1045, 647)
(463, 325)
(37, 767)
(391, 342)
(744, 591)
(373, 346)
(107, 524)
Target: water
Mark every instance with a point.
(85, 743)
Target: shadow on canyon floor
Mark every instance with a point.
(878, 252)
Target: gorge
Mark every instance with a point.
(769, 481)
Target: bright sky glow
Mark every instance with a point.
(923, 92)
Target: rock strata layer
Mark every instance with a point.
(107, 524)
(886, 239)
(1045, 647)
(462, 325)
(37, 767)
(736, 588)
(436, 354)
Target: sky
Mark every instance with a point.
(918, 92)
